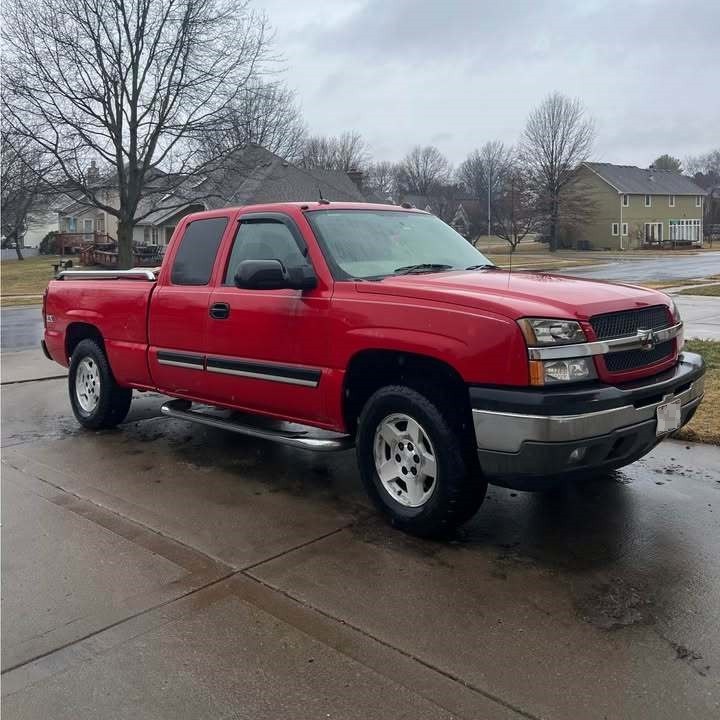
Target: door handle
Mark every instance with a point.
(220, 311)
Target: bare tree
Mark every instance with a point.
(345, 152)
(382, 179)
(557, 138)
(128, 84)
(21, 183)
(667, 162)
(516, 212)
(484, 173)
(264, 114)
(707, 164)
(424, 169)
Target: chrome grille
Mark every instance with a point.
(633, 359)
(627, 322)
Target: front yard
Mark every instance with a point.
(22, 282)
(705, 426)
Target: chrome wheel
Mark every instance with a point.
(87, 384)
(405, 460)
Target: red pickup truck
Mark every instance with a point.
(327, 325)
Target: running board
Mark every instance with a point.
(328, 442)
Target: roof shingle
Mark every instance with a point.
(639, 181)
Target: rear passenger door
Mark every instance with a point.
(266, 348)
(179, 308)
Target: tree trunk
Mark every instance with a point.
(18, 250)
(125, 245)
(554, 225)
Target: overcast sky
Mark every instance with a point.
(455, 73)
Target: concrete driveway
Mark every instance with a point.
(164, 570)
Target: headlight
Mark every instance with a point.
(675, 310)
(549, 372)
(541, 331)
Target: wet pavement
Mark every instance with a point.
(634, 269)
(163, 570)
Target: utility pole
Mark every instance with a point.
(489, 186)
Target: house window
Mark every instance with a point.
(146, 234)
(71, 224)
(687, 231)
(698, 201)
(671, 201)
(648, 201)
(614, 228)
(626, 201)
(155, 235)
(624, 229)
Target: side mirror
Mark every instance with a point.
(272, 275)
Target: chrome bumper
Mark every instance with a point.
(506, 432)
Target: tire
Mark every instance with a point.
(425, 498)
(97, 400)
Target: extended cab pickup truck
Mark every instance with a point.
(326, 325)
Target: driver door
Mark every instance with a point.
(265, 348)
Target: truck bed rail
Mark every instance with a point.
(148, 275)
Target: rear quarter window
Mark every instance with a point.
(195, 258)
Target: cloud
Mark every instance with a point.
(460, 72)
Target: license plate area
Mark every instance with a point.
(669, 416)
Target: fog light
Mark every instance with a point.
(577, 455)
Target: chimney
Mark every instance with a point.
(93, 174)
(356, 176)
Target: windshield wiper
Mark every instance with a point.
(483, 266)
(422, 267)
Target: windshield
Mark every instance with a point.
(371, 244)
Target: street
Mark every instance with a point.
(635, 269)
(164, 570)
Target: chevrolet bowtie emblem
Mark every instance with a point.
(647, 338)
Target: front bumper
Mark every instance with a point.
(528, 437)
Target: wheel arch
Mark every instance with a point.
(369, 370)
(76, 332)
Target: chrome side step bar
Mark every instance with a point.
(304, 439)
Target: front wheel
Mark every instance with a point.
(414, 465)
(97, 400)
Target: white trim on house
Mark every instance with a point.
(624, 229)
(648, 200)
(698, 201)
(614, 229)
(605, 180)
(626, 200)
(671, 201)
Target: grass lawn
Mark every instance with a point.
(705, 426)
(706, 290)
(27, 277)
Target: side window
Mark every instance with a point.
(263, 240)
(195, 257)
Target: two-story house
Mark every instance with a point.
(636, 207)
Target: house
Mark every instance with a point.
(249, 176)
(637, 208)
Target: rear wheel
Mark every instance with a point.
(414, 465)
(97, 400)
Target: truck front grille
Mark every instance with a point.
(626, 323)
(632, 359)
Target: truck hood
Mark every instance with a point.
(518, 294)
